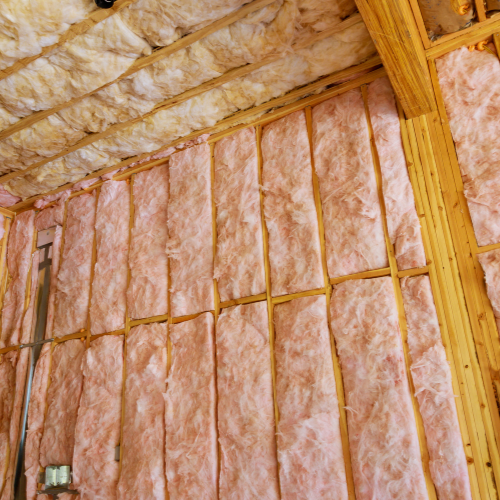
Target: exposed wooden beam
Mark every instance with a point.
(222, 128)
(394, 31)
(142, 63)
(189, 94)
(470, 36)
(73, 31)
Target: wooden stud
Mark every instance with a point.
(4, 271)
(417, 14)
(244, 300)
(376, 273)
(399, 302)
(94, 260)
(287, 298)
(142, 63)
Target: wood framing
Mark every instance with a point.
(394, 31)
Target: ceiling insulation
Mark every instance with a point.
(270, 32)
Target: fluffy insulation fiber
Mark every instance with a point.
(191, 430)
(354, 235)
(36, 417)
(97, 432)
(29, 319)
(383, 439)
(54, 271)
(266, 32)
(147, 290)
(309, 442)
(289, 207)
(143, 456)
(470, 84)
(8, 364)
(248, 467)
(433, 387)
(15, 422)
(109, 287)
(28, 26)
(239, 262)
(190, 245)
(63, 399)
(402, 218)
(73, 279)
(19, 249)
(490, 262)
(344, 49)
(49, 217)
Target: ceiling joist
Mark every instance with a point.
(189, 94)
(73, 31)
(230, 124)
(143, 62)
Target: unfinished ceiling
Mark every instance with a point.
(287, 43)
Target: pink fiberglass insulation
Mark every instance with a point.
(19, 249)
(109, 287)
(470, 84)
(239, 262)
(73, 279)
(36, 416)
(29, 320)
(248, 467)
(48, 217)
(63, 399)
(97, 434)
(143, 455)
(434, 391)
(354, 234)
(191, 435)
(190, 232)
(148, 288)
(15, 422)
(309, 441)
(289, 207)
(54, 270)
(383, 441)
(2, 226)
(8, 364)
(490, 262)
(402, 218)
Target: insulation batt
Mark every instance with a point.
(73, 279)
(309, 441)
(63, 399)
(262, 33)
(354, 235)
(470, 84)
(29, 319)
(490, 262)
(289, 207)
(191, 435)
(147, 290)
(6, 199)
(28, 26)
(431, 376)
(19, 249)
(15, 422)
(2, 226)
(142, 474)
(344, 49)
(109, 287)
(97, 433)
(383, 439)
(7, 393)
(49, 217)
(54, 271)
(190, 245)
(402, 218)
(36, 415)
(239, 262)
(248, 464)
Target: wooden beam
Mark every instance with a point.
(185, 96)
(73, 31)
(243, 115)
(142, 63)
(394, 31)
(470, 36)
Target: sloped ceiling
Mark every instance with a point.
(282, 39)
